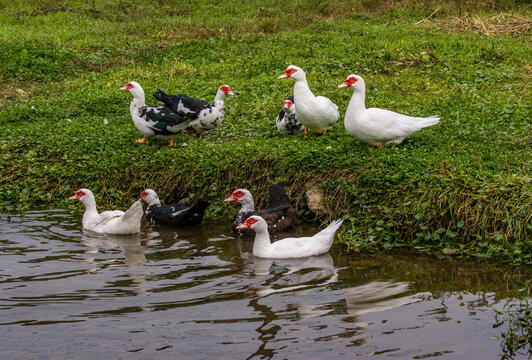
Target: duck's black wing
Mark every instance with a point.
(181, 104)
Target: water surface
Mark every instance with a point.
(198, 293)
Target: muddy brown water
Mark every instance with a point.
(199, 293)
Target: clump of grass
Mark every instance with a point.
(502, 24)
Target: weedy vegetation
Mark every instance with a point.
(517, 339)
(463, 184)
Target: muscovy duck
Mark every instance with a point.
(108, 222)
(203, 116)
(280, 215)
(174, 214)
(289, 247)
(286, 122)
(157, 121)
(374, 126)
(316, 113)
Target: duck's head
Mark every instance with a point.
(225, 90)
(253, 222)
(353, 81)
(288, 106)
(82, 195)
(134, 88)
(241, 196)
(148, 196)
(293, 72)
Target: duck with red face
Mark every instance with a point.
(280, 214)
(153, 121)
(203, 116)
(108, 222)
(316, 113)
(290, 247)
(378, 127)
(177, 214)
(286, 122)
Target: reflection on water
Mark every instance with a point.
(199, 293)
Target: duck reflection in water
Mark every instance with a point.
(133, 252)
(311, 280)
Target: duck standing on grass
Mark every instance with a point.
(378, 127)
(316, 113)
(157, 121)
(289, 247)
(108, 222)
(173, 214)
(203, 116)
(286, 122)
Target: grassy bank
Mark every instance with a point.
(464, 184)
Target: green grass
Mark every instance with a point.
(463, 184)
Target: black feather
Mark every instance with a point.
(176, 214)
(181, 104)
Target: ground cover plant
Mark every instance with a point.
(463, 184)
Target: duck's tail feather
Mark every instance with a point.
(199, 208)
(163, 97)
(334, 225)
(428, 121)
(277, 196)
(135, 211)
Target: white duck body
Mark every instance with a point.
(108, 222)
(318, 244)
(316, 113)
(213, 115)
(376, 126)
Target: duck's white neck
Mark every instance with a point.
(155, 202)
(262, 244)
(219, 98)
(139, 100)
(358, 100)
(90, 211)
(301, 90)
(248, 205)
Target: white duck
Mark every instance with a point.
(108, 222)
(157, 121)
(286, 122)
(378, 127)
(316, 113)
(289, 247)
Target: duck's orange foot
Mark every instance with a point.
(142, 140)
(171, 142)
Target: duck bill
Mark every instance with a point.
(282, 76)
(231, 93)
(124, 88)
(343, 85)
(229, 199)
(242, 227)
(73, 197)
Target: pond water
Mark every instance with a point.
(198, 293)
